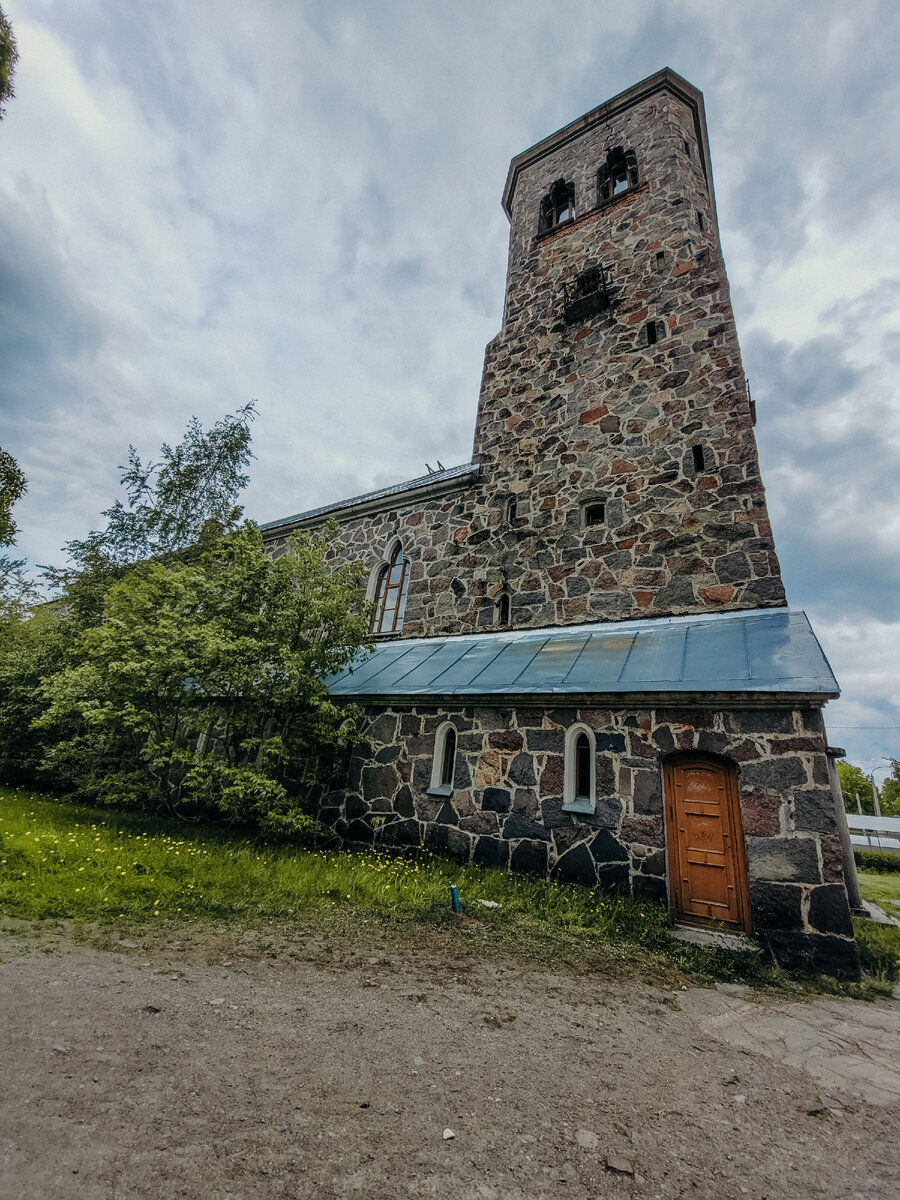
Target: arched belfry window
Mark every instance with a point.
(617, 175)
(502, 608)
(390, 593)
(443, 765)
(558, 206)
(580, 780)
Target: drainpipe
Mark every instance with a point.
(831, 754)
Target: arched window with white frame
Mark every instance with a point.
(391, 581)
(443, 765)
(580, 779)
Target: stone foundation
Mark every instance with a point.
(506, 806)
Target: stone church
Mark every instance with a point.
(584, 665)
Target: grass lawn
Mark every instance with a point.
(65, 862)
(879, 886)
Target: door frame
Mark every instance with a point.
(732, 800)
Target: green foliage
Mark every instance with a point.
(9, 56)
(880, 861)
(855, 781)
(30, 651)
(174, 508)
(879, 949)
(13, 484)
(201, 691)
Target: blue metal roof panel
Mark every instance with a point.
(760, 650)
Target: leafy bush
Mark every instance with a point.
(882, 861)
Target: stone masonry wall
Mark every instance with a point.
(589, 411)
(506, 806)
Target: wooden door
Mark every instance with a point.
(707, 877)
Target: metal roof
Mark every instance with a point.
(761, 650)
(423, 483)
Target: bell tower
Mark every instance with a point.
(615, 431)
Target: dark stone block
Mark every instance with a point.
(673, 595)
(605, 774)
(563, 716)
(410, 725)
(775, 905)
(516, 826)
(521, 771)
(552, 815)
(576, 866)
(761, 720)
(383, 729)
(783, 860)
(650, 887)
(609, 743)
(815, 810)
(491, 852)
(664, 740)
(509, 740)
(530, 857)
(829, 910)
(436, 838)
(778, 774)
(654, 864)
(607, 811)
(359, 831)
(403, 802)
(526, 803)
(459, 845)
(545, 741)
(647, 792)
(388, 755)
(607, 848)
(712, 743)
(354, 806)
(493, 718)
(613, 877)
(818, 952)
(732, 568)
(496, 799)
(447, 815)
(462, 776)
(406, 833)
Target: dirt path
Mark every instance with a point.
(221, 1066)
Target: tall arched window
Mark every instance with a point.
(617, 175)
(558, 206)
(443, 764)
(390, 593)
(580, 782)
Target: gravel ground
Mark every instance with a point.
(251, 1063)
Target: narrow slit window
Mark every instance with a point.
(651, 333)
(660, 260)
(582, 768)
(687, 149)
(697, 452)
(503, 609)
(512, 509)
(448, 758)
(700, 221)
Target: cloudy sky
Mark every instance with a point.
(299, 201)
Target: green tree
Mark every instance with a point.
(202, 689)
(889, 792)
(9, 56)
(13, 486)
(173, 508)
(855, 781)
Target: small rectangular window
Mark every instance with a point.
(660, 260)
(700, 221)
(687, 149)
(651, 333)
(697, 452)
(595, 513)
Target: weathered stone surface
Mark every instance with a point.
(613, 877)
(576, 866)
(516, 826)
(777, 859)
(530, 857)
(648, 792)
(521, 771)
(496, 799)
(774, 774)
(651, 888)
(607, 848)
(818, 952)
(829, 911)
(815, 810)
(776, 905)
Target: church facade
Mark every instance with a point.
(585, 666)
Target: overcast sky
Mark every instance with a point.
(299, 201)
